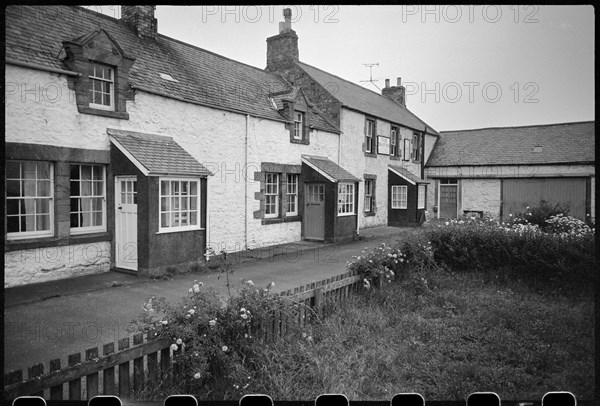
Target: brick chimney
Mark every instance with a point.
(282, 49)
(141, 20)
(395, 93)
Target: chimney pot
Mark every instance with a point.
(287, 14)
(387, 83)
(399, 82)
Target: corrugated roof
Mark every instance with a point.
(406, 174)
(359, 98)
(329, 168)
(529, 145)
(34, 34)
(157, 154)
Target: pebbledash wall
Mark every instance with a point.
(40, 109)
(480, 186)
(354, 160)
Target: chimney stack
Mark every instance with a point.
(282, 49)
(396, 93)
(141, 20)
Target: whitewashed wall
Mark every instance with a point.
(214, 137)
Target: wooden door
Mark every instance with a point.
(448, 201)
(126, 247)
(314, 211)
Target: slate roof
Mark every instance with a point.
(560, 144)
(158, 154)
(329, 167)
(406, 174)
(359, 98)
(34, 34)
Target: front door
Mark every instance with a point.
(314, 212)
(126, 223)
(448, 201)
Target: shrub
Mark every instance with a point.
(539, 215)
(561, 261)
(214, 343)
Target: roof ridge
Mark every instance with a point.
(429, 127)
(517, 126)
(218, 55)
(345, 80)
(118, 20)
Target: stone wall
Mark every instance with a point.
(52, 263)
(216, 138)
(481, 195)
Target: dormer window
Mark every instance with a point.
(102, 87)
(298, 125)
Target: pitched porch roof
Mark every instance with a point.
(407, 175)
(156, 155)
(329, 169)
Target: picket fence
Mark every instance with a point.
(124, 367)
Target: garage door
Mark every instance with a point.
(517, 194)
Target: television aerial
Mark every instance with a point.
(371, 80)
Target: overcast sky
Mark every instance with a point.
(463, 66)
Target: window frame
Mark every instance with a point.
(407, 149)
(416, 147)
(298, 133)
(369, 195)
(277, 184)
(394, 144)
(175, 229)
(294, 196)
(92, 78)
(22, 235)
(369, 143)
(400, 191)
(421, 194)
(342, 205)
(88, 229)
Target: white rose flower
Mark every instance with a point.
(179, 341)
(197, 375)
(174, 347)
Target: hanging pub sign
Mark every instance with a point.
(383, 145)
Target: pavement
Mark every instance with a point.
(52, 320)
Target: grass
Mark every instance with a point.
(460, 335)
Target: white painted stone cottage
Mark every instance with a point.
(129, 150)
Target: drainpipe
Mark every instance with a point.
(246, 183)
(206, 245)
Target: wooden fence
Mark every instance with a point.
(123, 368)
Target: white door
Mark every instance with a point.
(126, 223)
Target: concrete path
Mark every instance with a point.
(54, 319)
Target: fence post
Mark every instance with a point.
(75, 384)
(124, 388)
(138, 365)
(91, 379)
(108, 373)
(318, 301)
(35, 371)
(56, 392)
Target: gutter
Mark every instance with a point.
(42, 68)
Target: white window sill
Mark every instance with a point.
(399, 208)
(346, 214)
(87, 230)
(23, 236)
(179, 230)
(101, 107)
